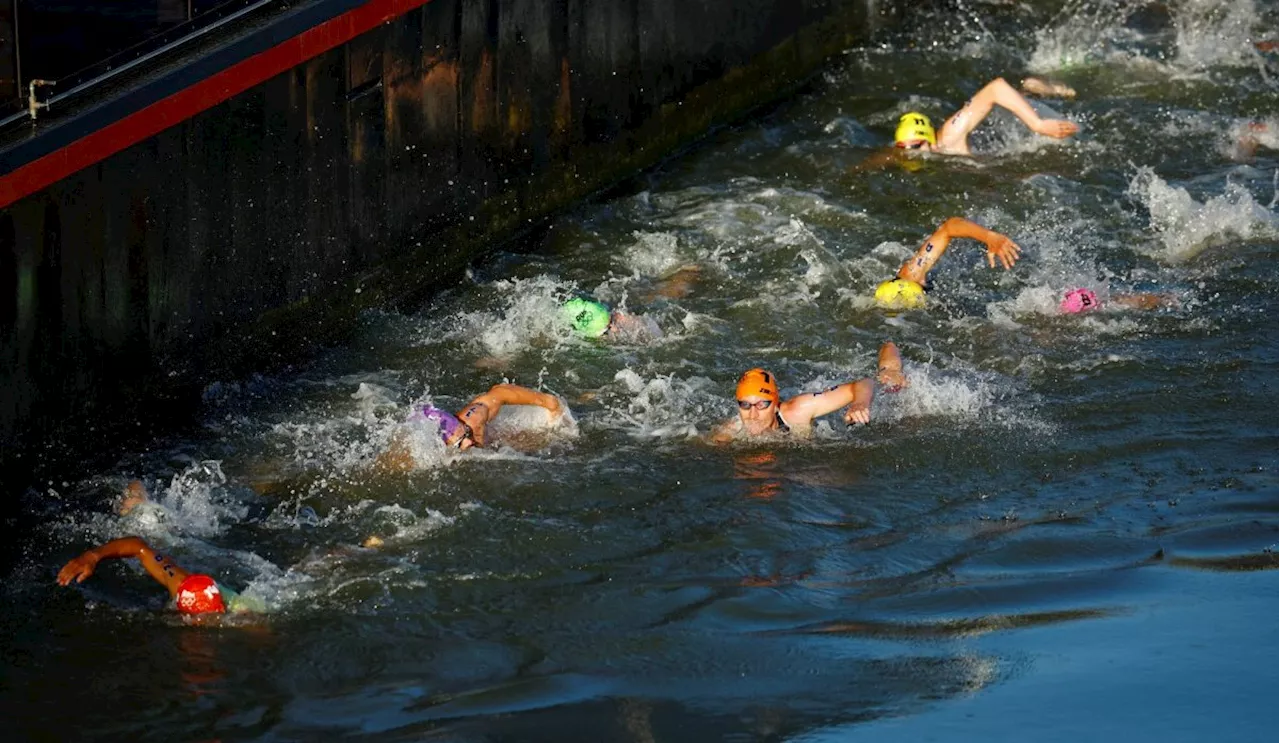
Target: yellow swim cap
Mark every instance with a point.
(900, 294)
(913, 127)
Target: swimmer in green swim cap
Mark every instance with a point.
(592, 319)
(907, 289)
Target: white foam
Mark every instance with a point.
(1187, 227)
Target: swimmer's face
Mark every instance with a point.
(915, 144)
(758, 414)
(462, 439)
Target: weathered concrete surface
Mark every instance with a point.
(249, 233)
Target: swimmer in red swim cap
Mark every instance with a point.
(761, 410)
(193, 593)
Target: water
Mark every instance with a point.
(1065, 529)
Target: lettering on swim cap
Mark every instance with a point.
(586, 316)
(199, 594)
(900, 294)
(914, 127)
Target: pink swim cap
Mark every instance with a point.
(1079, 300)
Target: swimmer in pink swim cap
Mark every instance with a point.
(1080, 300)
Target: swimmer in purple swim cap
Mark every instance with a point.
(467, 428)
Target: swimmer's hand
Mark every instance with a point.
(1002, 248)
(79, 569)
(1056, 128)
(857, 413)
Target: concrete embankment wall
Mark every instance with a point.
(228, 210)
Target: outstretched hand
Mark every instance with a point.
(79, 569)
(857, 413)
(1057, 128)
(1004, 249)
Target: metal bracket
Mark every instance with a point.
(34, 104)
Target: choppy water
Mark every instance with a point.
(1064, 530)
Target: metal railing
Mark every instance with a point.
(53, 51)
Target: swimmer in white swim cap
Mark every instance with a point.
(907, 289)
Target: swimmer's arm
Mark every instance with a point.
(725, 432)
(397, 458)
(514, 394)
(800, 411)
(1144, 301)
(999, 247)
(877, 161)
(166, 572)
(998, 92)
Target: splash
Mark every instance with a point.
(1187, 227)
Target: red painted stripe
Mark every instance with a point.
(206, 94)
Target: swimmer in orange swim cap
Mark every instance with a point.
(193, 593)
(761, 410)
(906, 290)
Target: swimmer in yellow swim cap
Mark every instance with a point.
(907, 289)
(762, 411)
(915, 131)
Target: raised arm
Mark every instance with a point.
(800, 411)
(484, 408)
(166, 572)
(998, 247)
(954, 135)
(513, 394)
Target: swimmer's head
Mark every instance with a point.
(450, 427)
(899, 294)
(758, 383)
(914, 129)
(1079, 300)
(587, 316)
(757, 396)
(199, 594)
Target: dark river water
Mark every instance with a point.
(1065, 529)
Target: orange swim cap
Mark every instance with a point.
(758, 382)
(199, 594)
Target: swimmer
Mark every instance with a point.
(467, 428)
(761, 410)
(592, 319)
(915, 132)
(907, 289)
(1249, 136)
(1076, 301)
(193, 593)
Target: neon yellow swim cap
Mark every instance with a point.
(900, 294)
(913, 127)
(587, 316)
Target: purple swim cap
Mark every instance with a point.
(449, 425)
(1079, 300)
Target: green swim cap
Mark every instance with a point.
(587, 316)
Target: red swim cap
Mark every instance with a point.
(199, 594)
